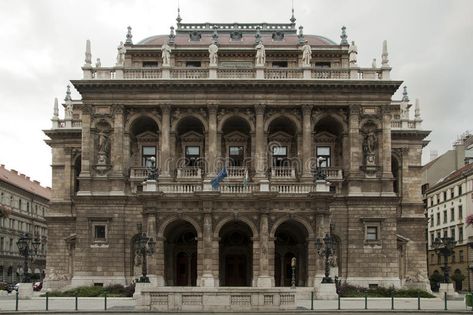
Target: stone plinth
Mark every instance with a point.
(25, 290)
(322, 185)
(150, 186)
(447, 288)
(327, 291)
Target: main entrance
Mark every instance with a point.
(235, 255)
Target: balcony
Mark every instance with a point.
(138, 173)
(236, 171)
(283, 172)
(331, 173)
(189, 173)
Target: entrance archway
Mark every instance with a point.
(180, 250)
(235, 255)
(290, 241)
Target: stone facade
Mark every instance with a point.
(24, 203)
(273, 124)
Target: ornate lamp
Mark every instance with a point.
(293, 267)
(144, 247)
(325, 250)
(444, 246)
(27, 247)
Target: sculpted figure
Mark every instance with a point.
(166, 54)
(213, 49)
(260, 54)
(306, 54)
(121, 54)
(370, 142)
(353, 54)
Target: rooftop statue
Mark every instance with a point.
(213, 49)
(166, 54)
(121, 54)
(353, 54)
(260, 54)
(306, 54)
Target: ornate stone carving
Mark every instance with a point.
(306, 54)
(306, 109)
(278, 35)
(195, 36)
(166, 54)
(236, 35)
(260, 54)
(165, 108)
(259, 109)
(117, 109)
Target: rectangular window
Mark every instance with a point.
(2, 239)
(460, 233)
(147, 153)
(461, 256)
(438, 218)
(445, 233)
(192, 155)
(99, 232)
(453, 257)
(236, 155)
(460, 212)
(452, 193)
(19, 204)
(322, 64)
(452, 214)
(323, 154)
(431, 220)
(193, 64)
(27, 207)
(432, 238)
(452, 233)
(444, 216)
(371, 233)
(150, 64)
(444, 196)
(439, 259)
(279, 156)
(279, 64)
(460, 190)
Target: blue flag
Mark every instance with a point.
(220, 176)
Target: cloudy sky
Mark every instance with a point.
(43, 41)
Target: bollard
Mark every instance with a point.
(16, 301)
(392, 300)
(312, 300)
(77, 301)
(418, 301)
(445, 297)
(105, 301)
(366, 301)
(47, 301)
(339, 301)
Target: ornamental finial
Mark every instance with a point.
(172, 36)
(293, 19)
(417, 110)
(405, 96)
(215, 34)
(178, 19)
(129, 37)
(56, 108)
(88, 54)
(68, 94)
(344, 36)
(257, 35)
(384, 56)
(301, 35)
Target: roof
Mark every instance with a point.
(247, 40)
(22, 181)
(455, 174)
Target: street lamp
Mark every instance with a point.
(152, 174)
(27, 247)
(293, 267)
(319, 173)
(444, 246)
(326, 250)
(144, 247)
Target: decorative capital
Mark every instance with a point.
(306, 109)
(355, 110)
(212, 108)
(117, 109)
(165, 108)
(87, 109)
(259, 108)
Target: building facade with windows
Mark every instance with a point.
(24, 203)
(310, 143)
(449, 203)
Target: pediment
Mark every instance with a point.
(236, 136)
(280, 136)
(192, 136)
(325, 136)
(148, 136)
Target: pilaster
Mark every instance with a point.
(260, 142)
(117, 146)
(306, 141)
(87, 151)
(212, 138)
(164, 143)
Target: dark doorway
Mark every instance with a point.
(235, 255)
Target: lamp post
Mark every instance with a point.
(152, 174)
(325, 250)
(319, 173)
(144, 247)
(444, 246)
(293, 267)
(27, 247)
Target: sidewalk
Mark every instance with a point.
(7, 303)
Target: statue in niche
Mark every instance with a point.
(68, 111)
(370, 143)
(166, 54)
(306, 54)
(103, 146)
(260, 54)
(213, 49)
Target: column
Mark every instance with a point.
(87, 155)
(207, 279)
(306, 142)
(385, 145)
(264, 279)
(212, 139)
(260, 156)
(164, 144)
(356, 155)
(117, 145)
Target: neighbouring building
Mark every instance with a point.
(271, 107)
(448, 203)
(24, 203)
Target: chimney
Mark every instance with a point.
(14, 171)
(27, 177)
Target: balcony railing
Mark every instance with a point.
(293, 188)
(229, 188)
(142, 73)
(236, 171)
(282, 172)
(189, 172)
(176, 188)
(283, 73)
(330, 74)
(331, 173)
(138, 173)
(189, 73)
(405, 124)
(235, 73)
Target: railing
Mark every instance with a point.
(404, 124)
(283, 73)
(142, 73)
(179, 188)
(235, 73)
(236, 171)
(189, 73)
(370, 74)
(189, 172)
(229, 188)
(331, 173)
(139, 172)
(330, 74)
(292, 188)
(283, 172)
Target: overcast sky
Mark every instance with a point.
(43, 41)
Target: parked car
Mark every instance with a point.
(37, 286)
(6, 286)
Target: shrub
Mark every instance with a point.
(115, 290)
(347, 290)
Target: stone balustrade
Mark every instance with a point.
(189, 172)
(177, 188)
(332, 173)
(230, 188)
(138, 172)
(283, 172)
(292, 188)
(405, 124)
(234, 73)
(236, 171)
